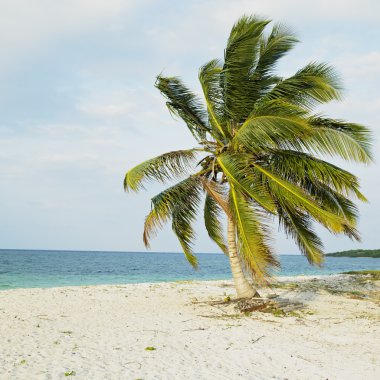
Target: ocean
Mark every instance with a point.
(45, 269)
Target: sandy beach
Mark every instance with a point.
(190, 330)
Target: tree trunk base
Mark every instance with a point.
(248, 293)
(243, 288)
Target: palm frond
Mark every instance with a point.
(155, 221)
(313, 84)
(179, 203)
(181, 226)
(184, 214)
(305, 170)
(252, 237)
(286, 192)
(298, 225)
(240, 59)
(339, 138)
(183, 103)
(274, 47)
(239, 171)
(338, 204)
(161, 168)
(271, 131)
(212, 215)
(271, 49)
(209, 77)
(278, 107)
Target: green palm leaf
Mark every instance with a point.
(252, 237)
(305, 170)
(182, 217)
(315, 83)
(337, 204)
(239, 172)
(298, 225)
(209, 77)
(179, 203)
(274, 47)
(271, 48)
(240, 58)
(162, 168)
(296, 197)
(212, 215)
(336, 137)
(264, 132)
(183, 103)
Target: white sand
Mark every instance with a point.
(101, 332)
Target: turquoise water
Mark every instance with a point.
(45, 269)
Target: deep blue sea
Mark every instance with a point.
(45, 269)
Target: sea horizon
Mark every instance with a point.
(25, 268)
(118, 251)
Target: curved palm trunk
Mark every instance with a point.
(243, 288)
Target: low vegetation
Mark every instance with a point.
(373, 274)
(357, 253)
(358, 285)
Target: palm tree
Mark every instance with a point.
(258, 156)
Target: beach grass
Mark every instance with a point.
(374, 274)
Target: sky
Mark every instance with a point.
(78, 108)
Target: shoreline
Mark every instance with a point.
(276, 279)
(192, 330)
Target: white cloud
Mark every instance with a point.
(28, 27)
(106, 110)
(290, 10)
(361, 66)
(99, 103)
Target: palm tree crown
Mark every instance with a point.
(258, 152)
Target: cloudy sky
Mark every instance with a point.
(78, 107)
